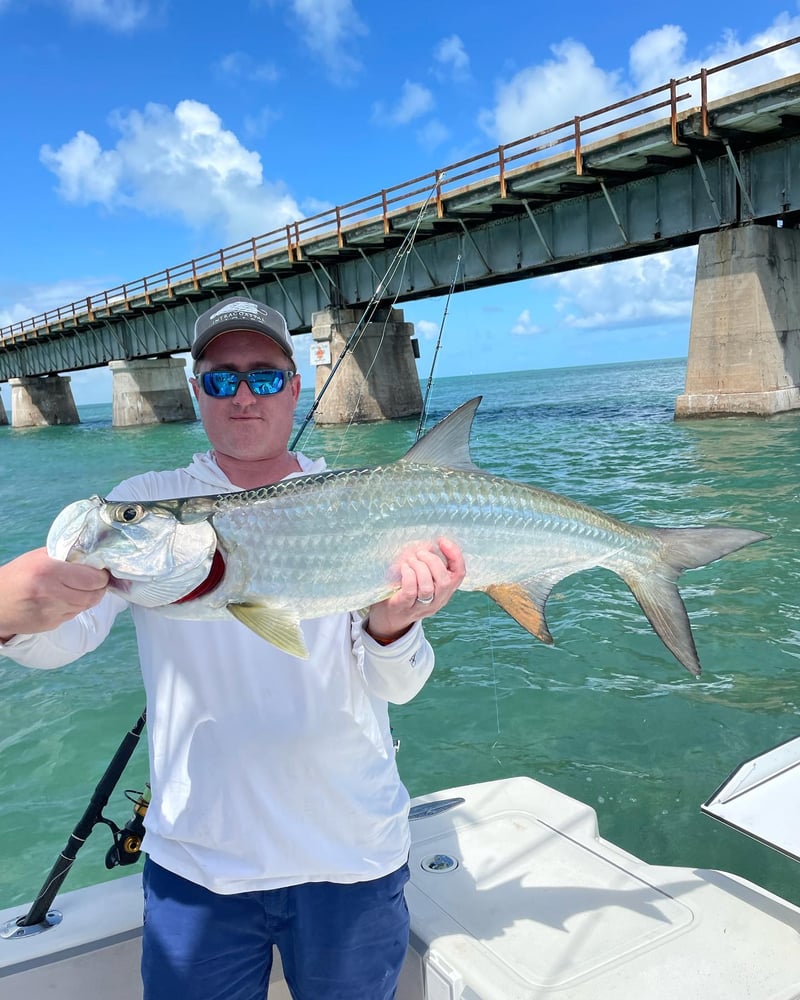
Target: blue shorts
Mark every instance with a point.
(336, 941)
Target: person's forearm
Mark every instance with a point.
(68, 642)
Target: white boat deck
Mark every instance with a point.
(541, 907)
(535, 906)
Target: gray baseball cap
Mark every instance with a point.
(240, 313)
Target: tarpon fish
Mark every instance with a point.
(328, 543)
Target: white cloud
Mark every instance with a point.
(316, 206)
(432, 134)
(538, 97)
(667, 46)
(177, 163)
(452, 57)
(414, 101)
(241, 66)
(329, 30)
(258, 124)
(644, 291)
(524, 325)
(426, 329)
(119, 15)
(571, 83)
(24, 300)
(86, 172)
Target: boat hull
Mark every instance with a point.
(513, 896)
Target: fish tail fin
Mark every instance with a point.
(657, 593)
(688, 548)
(664, 608)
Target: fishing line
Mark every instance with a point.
(372, 306)
(365, 381)
(423, 415)
(360, 329)
(494, 671)
(494, 679)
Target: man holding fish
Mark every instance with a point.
(277, 813)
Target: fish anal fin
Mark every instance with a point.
(525, 605)
(277, 627)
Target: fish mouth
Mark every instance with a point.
(117, 584)
(66, 531)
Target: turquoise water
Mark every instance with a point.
(606, 715)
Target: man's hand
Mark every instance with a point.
(38, 593)
(429, 576)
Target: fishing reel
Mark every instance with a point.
(127, 844)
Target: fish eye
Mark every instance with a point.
(129, 513)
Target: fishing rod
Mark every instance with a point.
(127, 841)
(429, 385)
(352, 341)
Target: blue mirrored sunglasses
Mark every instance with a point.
(262, 382)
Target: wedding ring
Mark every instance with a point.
(425, 600)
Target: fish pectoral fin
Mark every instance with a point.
(280, 628)
(525, 604)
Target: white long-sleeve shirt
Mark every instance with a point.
(265, 770)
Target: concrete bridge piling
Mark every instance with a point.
(378, 378)
(150, 391)
(42, 401)
(744, 341)
(147, 391)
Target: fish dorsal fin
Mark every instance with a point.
(447, 443)
(281, 628)
(525, 603)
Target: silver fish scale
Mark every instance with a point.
(326, 543)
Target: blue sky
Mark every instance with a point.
(141, 133)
